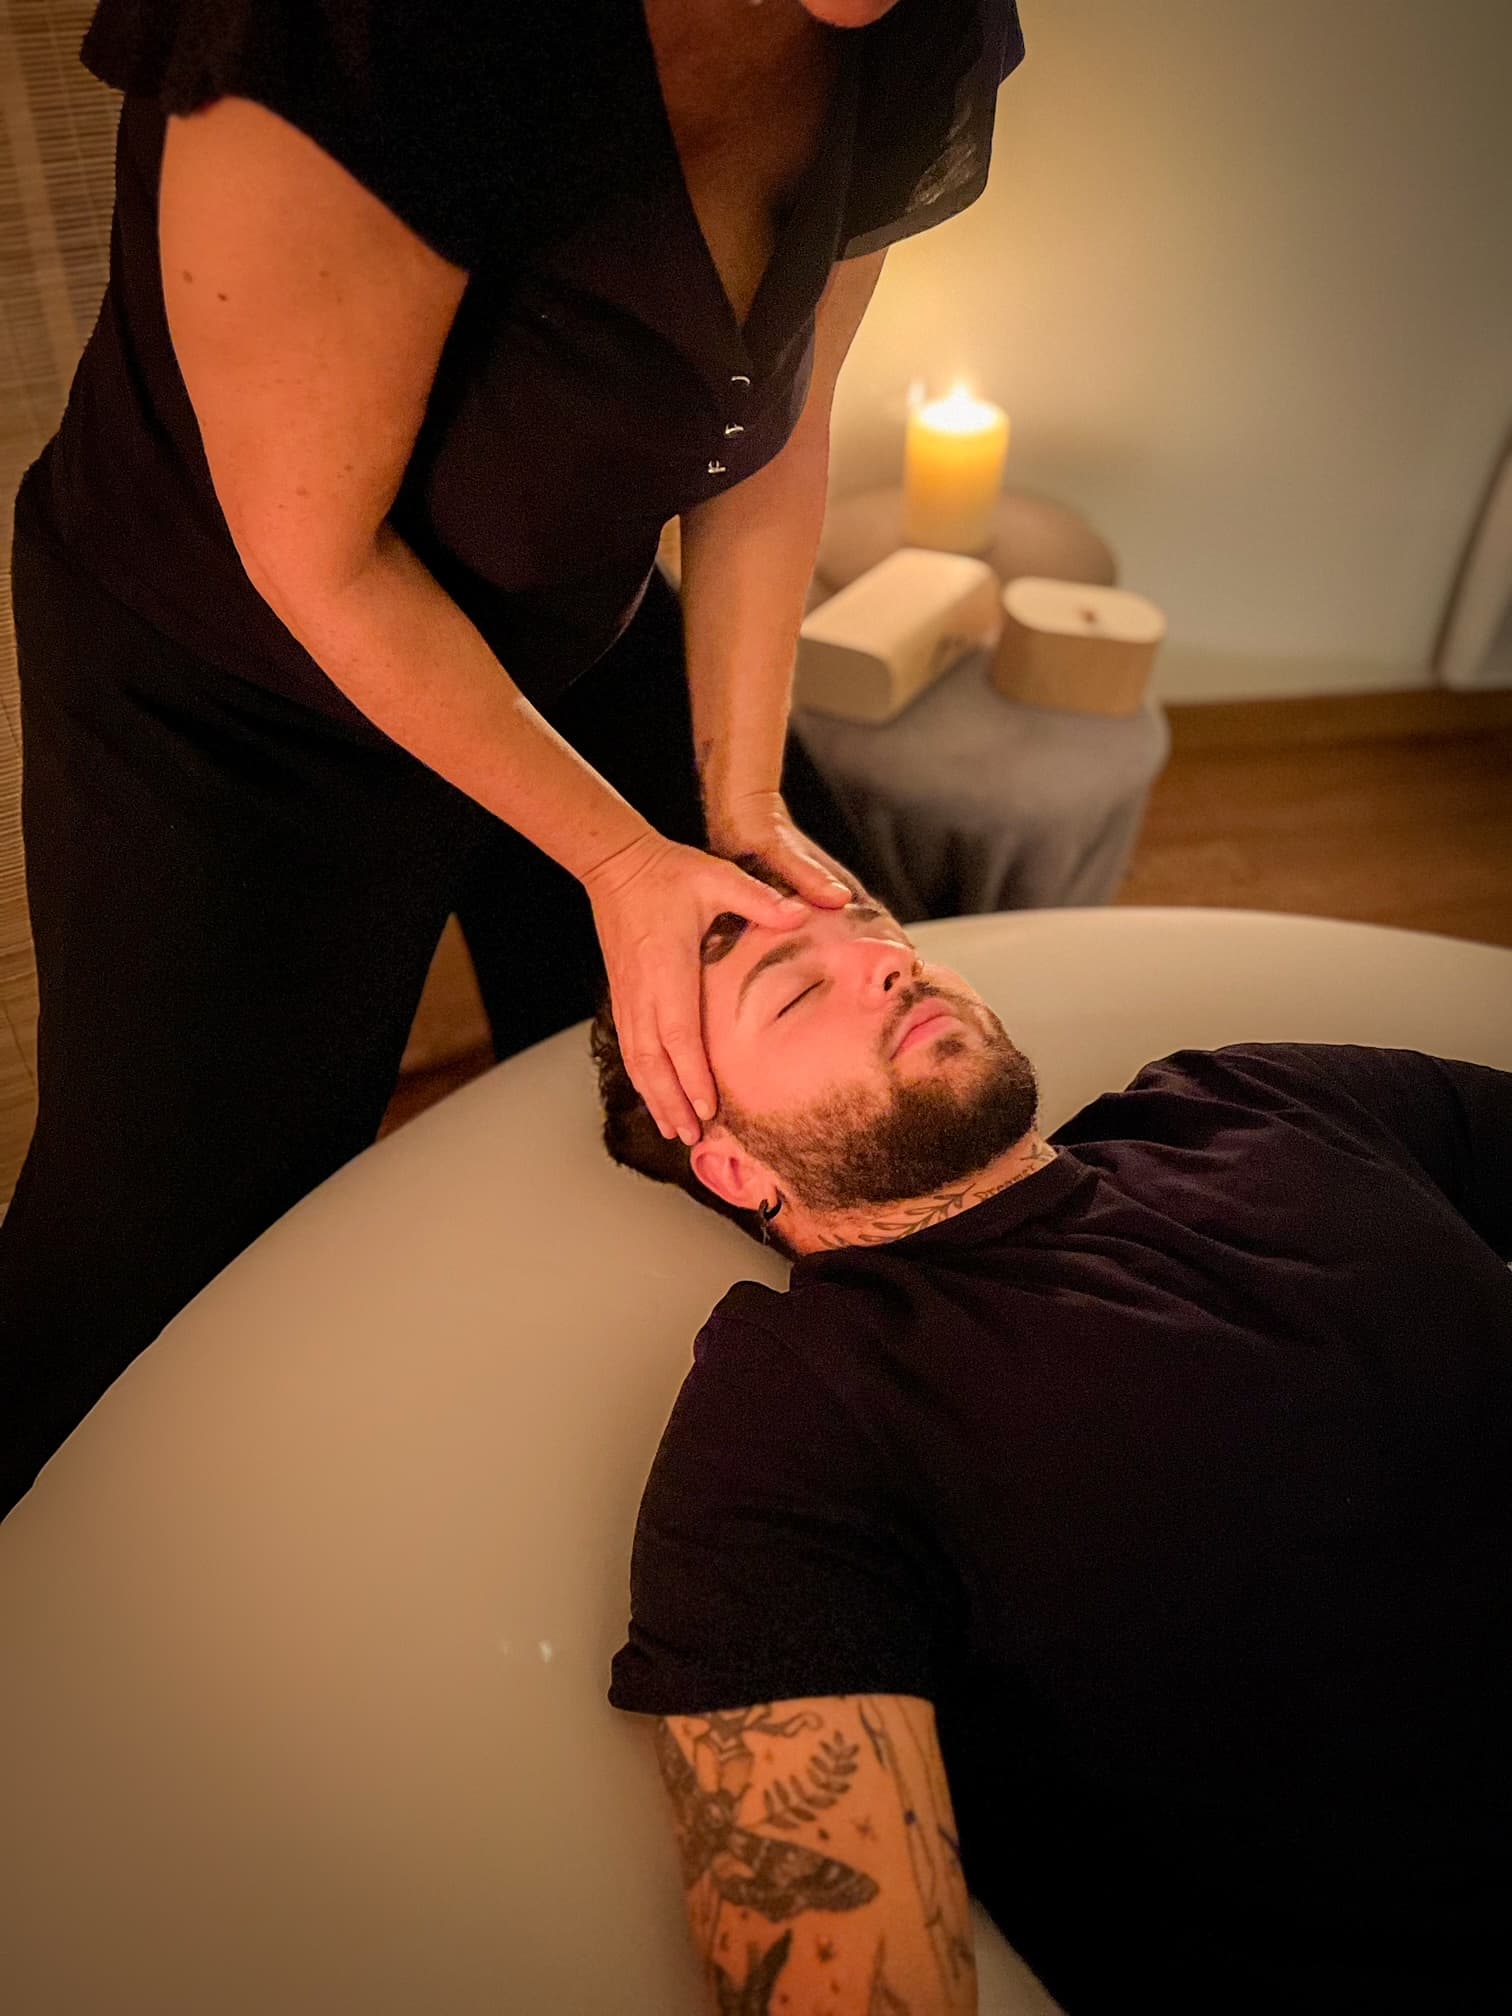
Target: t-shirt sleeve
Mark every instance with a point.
(924, 138)
(1452, 1119)
(771, 1560)
(430, 109)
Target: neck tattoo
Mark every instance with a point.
(913, 1217)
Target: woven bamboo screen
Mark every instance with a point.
(57, 140)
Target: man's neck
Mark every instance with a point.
(821, 1232)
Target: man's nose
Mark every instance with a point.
(886, 969)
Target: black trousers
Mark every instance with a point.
(235, 901)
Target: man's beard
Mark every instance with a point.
(850, 1150)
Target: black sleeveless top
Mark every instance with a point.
(595, 382)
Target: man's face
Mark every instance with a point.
(858, 1072)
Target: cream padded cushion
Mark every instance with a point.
(304, 1634)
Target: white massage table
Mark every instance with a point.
(304, 1634)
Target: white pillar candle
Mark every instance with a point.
(953, 471)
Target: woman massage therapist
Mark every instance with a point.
(334, 592)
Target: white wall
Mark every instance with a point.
(1243, 279)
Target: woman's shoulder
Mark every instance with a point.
(930, 81)
(468, 120)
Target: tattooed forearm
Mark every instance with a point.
(826, 1780)
(805, 1818)
(942, 1898)
(884, 2000)
(762, 1872)
(753, 1996)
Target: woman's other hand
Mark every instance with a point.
(759, 824)
(652, 903)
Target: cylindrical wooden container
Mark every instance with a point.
(1076, 645)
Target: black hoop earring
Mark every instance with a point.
(766, 1216)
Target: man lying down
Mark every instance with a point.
(1115, 1523)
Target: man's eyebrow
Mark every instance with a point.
(790, 948)
(794, 948)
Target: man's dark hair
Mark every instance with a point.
(631, 1136)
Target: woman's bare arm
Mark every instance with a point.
(747, 560)
(308, 322)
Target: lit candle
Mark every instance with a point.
(953, 470)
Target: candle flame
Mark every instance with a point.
(960, 413)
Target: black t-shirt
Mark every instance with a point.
(595, 382)
(1177, 1476)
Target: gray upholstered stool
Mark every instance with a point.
(971, 802)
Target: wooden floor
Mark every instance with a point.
(1385, 808)
(1391, 809)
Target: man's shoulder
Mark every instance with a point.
(814, 1333)
(741, 1343)
(748, 1302)
(1254, 1069)
(1265, 1082)
(753, 1319)
(765, 1395)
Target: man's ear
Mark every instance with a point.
(723, 1166)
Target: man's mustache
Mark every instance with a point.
(906, 1007)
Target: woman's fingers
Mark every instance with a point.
(812, 879)
(657, 1079)
(815, 875)
(679, 1086)
(652, 913)
(682, 1041)
(762, 904)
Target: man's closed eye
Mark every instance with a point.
(795, 1000)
